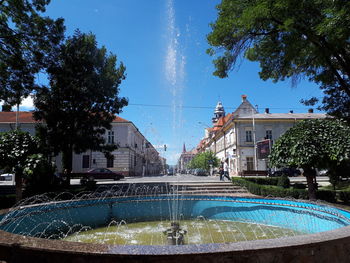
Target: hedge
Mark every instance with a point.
(7, 201)
(344, 196)
(275, 191)
(262, 181)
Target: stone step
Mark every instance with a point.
(211, 192)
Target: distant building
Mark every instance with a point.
(185, 159)
(135, 155)
(234, 136)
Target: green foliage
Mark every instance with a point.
(276, 191)
(270, 190)
(344, 196)
(326, 195)
(39, 174)
(312, 143)
(299, 186)
(263, 181)
(82, 99)
(290, 39)
(204, 160)
(27, 42)
(7, 201)
(15, 148)
(283, 181)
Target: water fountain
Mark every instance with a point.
(211, 228)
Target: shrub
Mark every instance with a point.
(283, 181)
(299, 186)
(39, 174)
(263, 181)
(276, 191)
(7, 201)
(327, 195)
(344, 196)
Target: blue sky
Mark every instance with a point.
(162, 44)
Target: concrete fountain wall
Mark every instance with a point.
(329, 246)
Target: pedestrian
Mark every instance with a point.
(221, 171)
(226, 170)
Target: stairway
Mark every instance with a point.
(210, 188)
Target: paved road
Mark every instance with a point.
(322, 180)
(161, 178)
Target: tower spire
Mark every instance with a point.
(184, 148)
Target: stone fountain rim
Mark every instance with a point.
(31, 243)
(309, 240)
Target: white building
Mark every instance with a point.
(135, 156)
(234, 135)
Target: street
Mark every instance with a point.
(321, 180)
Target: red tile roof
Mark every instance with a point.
(221, 122)
(27, 117)
(118, 119)
(23, 117)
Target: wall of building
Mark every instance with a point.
(131, 158)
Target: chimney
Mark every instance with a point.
(311, 110)
(267, 110)
(291, 111)
(6, 108)
(244, 98)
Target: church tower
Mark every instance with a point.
(184, 148)
(218, 112)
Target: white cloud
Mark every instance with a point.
(26, 104)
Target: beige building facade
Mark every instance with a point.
(235, 136)
(135, 155)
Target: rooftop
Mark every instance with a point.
(27, 117)
(283, 116)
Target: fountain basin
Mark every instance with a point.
(327, 231)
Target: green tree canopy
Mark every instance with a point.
(15, 149)
(204, 160)
(82, 99)
(289, 39)
(312, 144)
(27, 42)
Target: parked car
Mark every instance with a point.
(200, 172)
(8, 178)
(100, 173)
(290, 172)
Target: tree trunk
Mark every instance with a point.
(17, 116)
(310, 174)
(67, 156)
(19, 185)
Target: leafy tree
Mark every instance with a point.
(15, 148)
(39, 174)
(313, 144)
(289, 39)
(82, 99)
(204, 160)
(27, 43)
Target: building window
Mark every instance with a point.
(134, 160)
(110, 137)
(110, 162)
(248, 136)
(268, 134)
(250, 163)
(86, 161)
